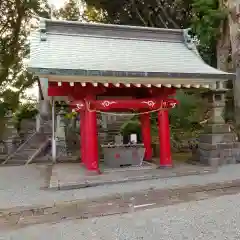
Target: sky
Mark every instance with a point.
(57, 3)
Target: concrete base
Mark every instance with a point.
(217, 146)
(72, 176)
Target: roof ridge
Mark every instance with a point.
(112, 37)
(109, 30)
(107, 25)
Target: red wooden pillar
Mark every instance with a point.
(91, 144)
(164, 139)
(146, 135)
(83, 136)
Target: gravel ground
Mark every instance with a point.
(19, 186)
(217, 218)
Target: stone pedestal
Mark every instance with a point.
(217, 145)
(61, 144)
(44, 108)
(118, 139)
(38, 123)
(11, 134)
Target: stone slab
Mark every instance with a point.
(216, 128)
(217, 138)
(71, 176)
(209, 154)
(213, 162)
(218, 146)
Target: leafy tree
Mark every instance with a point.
(70, 11)
(25, 111)
(131, 127)
(16, 20)
(15, 25)
(204, 16)
(207, 20)
(155, 13)
(189, 113)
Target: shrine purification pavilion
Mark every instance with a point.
(115, 68)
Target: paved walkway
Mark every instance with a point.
(19, 186)
(72, 176)
(217, 218)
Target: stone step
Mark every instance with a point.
(44, 159)
(29, 149)
(15, 162)
(23, 157)
(217, 128)
(217, 138)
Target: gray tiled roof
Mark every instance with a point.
(71, 51)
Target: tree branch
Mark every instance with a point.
(150, 20)
(138, 13)
(161, 20)
(4, 28)
(175, 25)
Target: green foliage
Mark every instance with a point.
(70, 11)
(186, 118)
(15, 26)
(203, 16)
(207, 17)
(25, 111)
(130, 127)
(91, 14)
(3, 109)
(71, 115)
(155, 13)
(188, 114)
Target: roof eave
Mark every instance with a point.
(128, 74)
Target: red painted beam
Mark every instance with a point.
(58, 91)
(136, 104)
(76, 91)
(118, 105)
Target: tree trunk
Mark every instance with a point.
(224, 43)
(234, 14)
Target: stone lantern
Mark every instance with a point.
(217, 141)
(11, 132)
(61, 133)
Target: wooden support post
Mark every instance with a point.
(164, 139)
(83, 136)
(91, 155)
(146, 135)
(54, 148)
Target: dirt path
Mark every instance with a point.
(113, 205)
